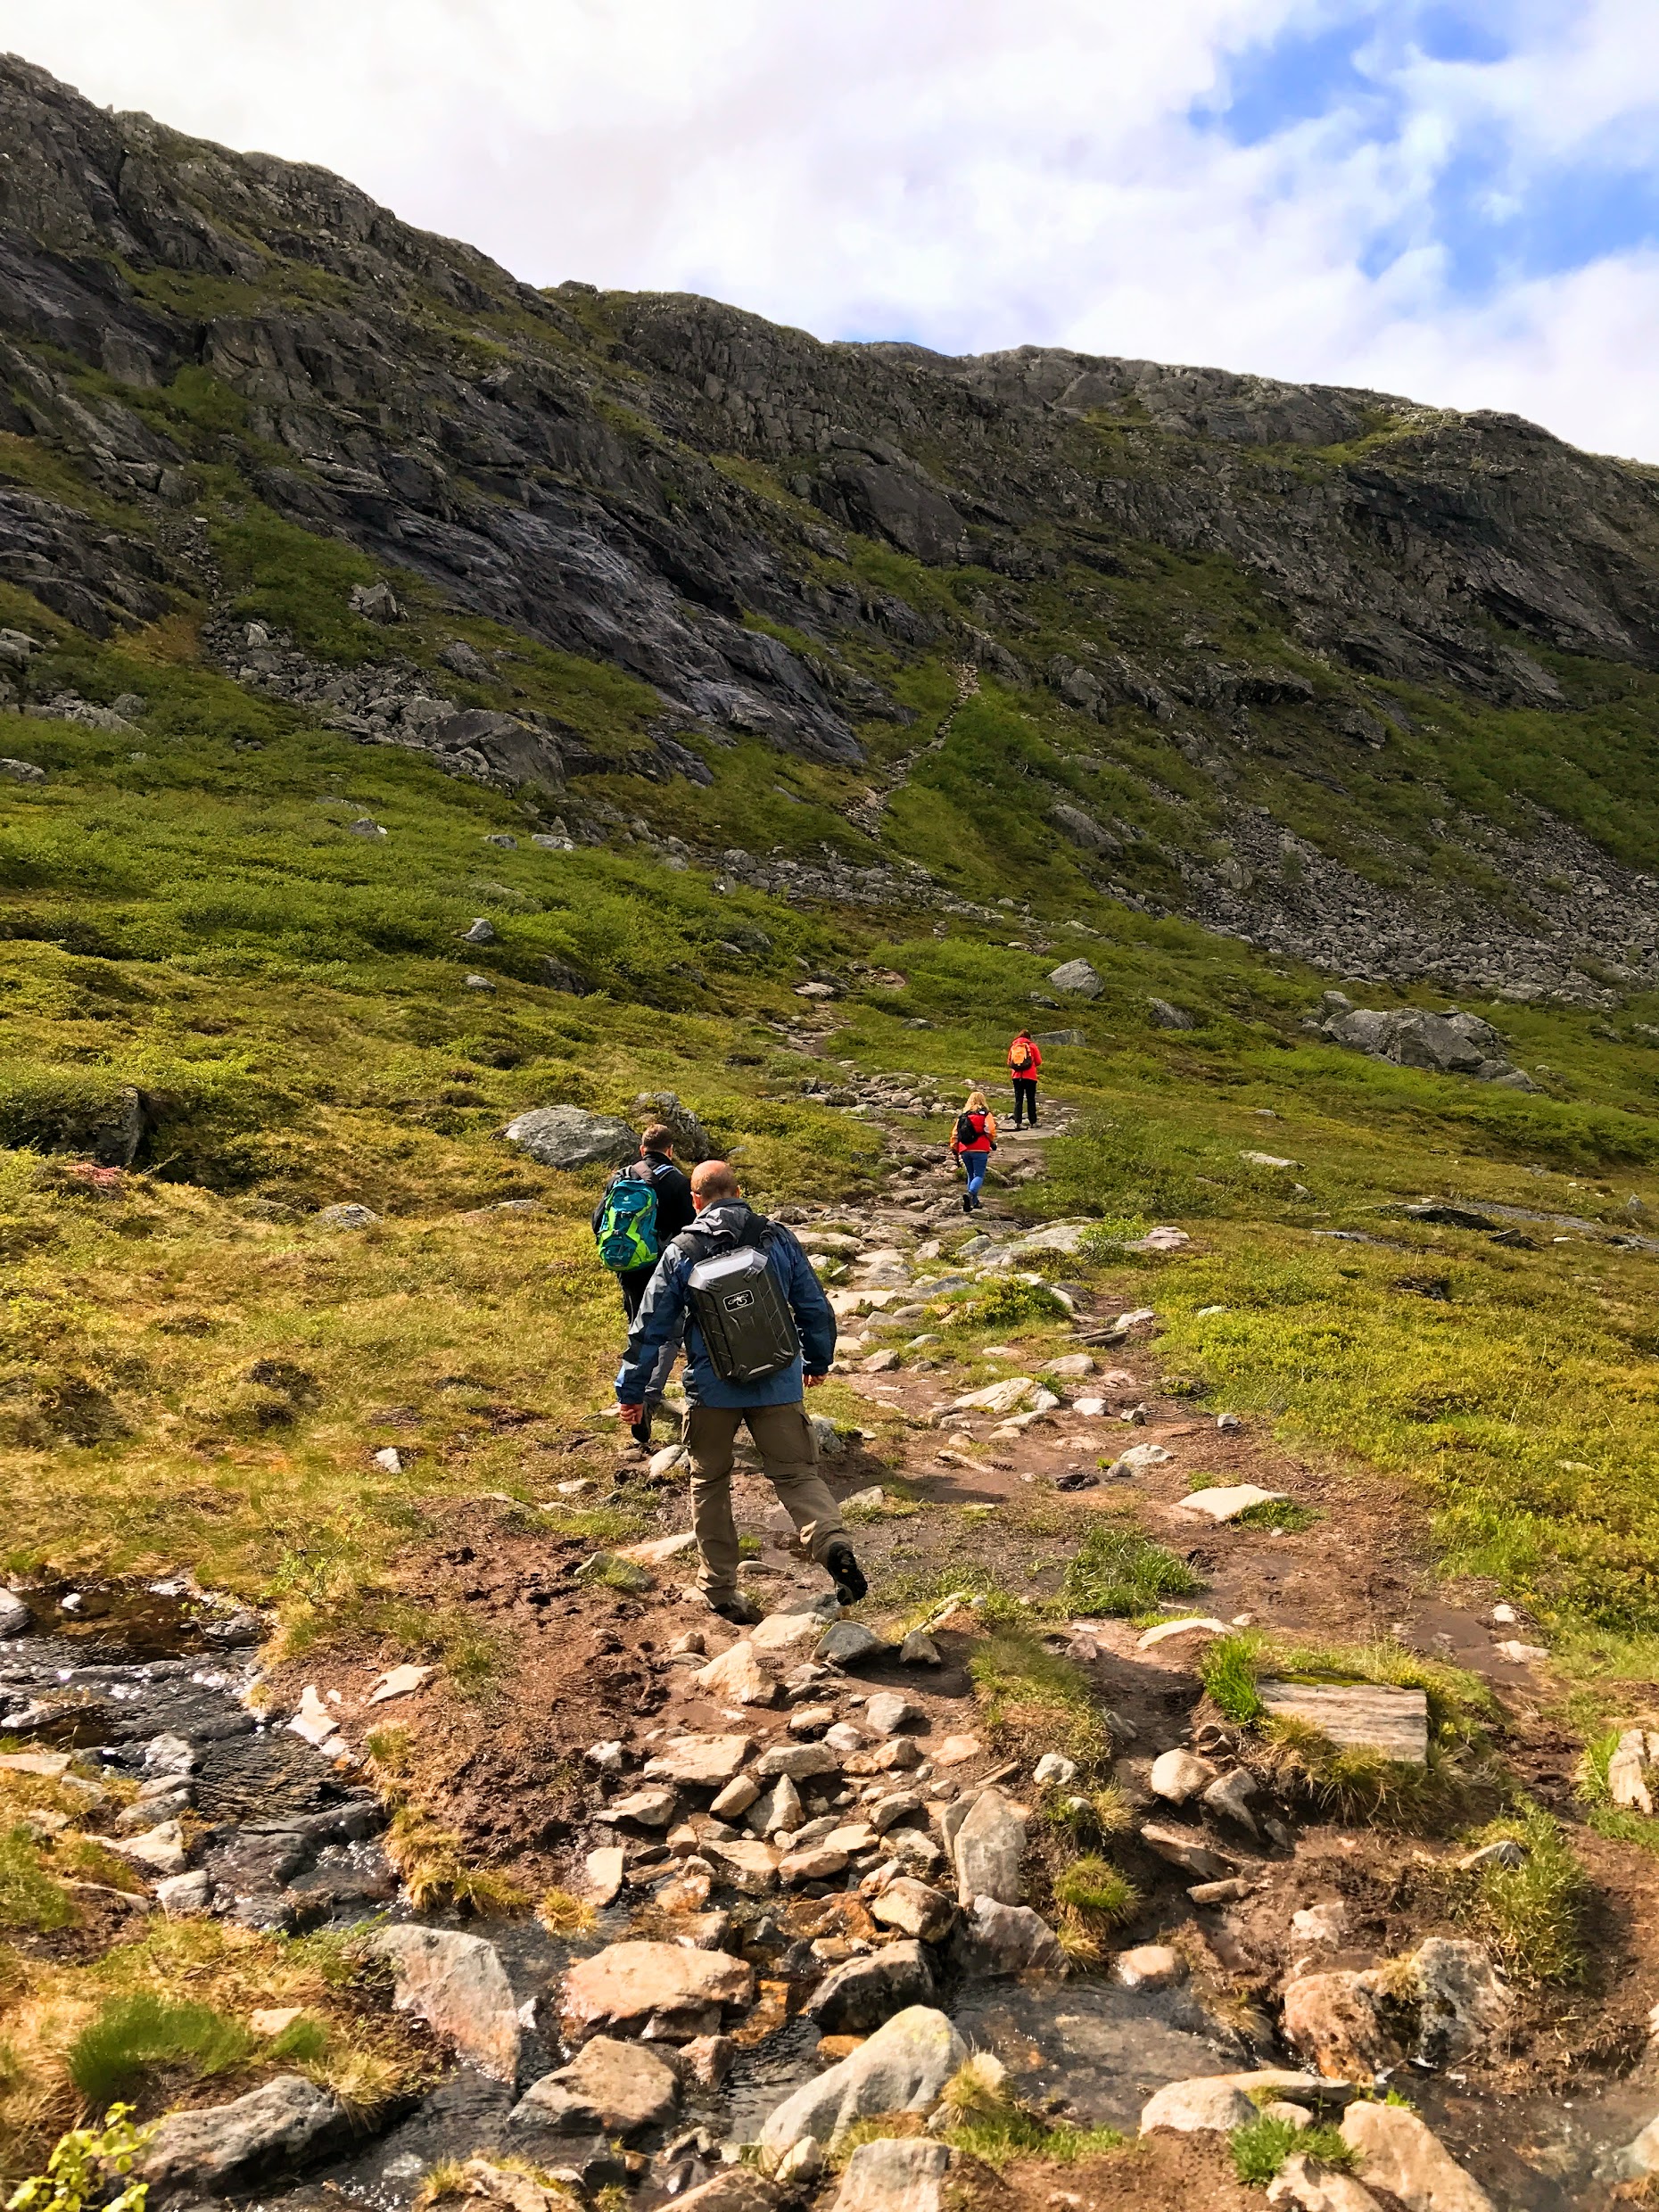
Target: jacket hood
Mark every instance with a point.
(728, 1216)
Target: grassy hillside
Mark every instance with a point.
(195, 1372)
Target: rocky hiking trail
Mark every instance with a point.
(930, 1896)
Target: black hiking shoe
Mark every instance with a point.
(742, 1612)
(967, 1203)
(844, 1571)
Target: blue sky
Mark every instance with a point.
(1457, 201)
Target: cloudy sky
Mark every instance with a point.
(1455, 199)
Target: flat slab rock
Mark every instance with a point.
(1226, 1502)
(1356, 1716)
(629, 1983)
(704, 1762)
(457, 1984)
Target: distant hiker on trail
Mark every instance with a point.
(642, 1207)
(1024, 1060)
(973, 1141)
(758, 1328)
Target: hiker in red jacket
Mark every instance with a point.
(1024, 1060)
(973, 1141)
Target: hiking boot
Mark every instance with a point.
(742, 1612)
(967, 1203)
(844, 1571)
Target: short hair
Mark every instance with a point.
(658, 1138)
(978, 1102)
(713, 1180)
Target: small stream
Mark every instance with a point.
(134, 1680)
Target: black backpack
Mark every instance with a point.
(966, 1134)
(737, 1301)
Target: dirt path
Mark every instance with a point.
(1564, 2072)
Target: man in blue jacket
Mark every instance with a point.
(772, 1407)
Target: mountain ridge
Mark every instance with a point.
(1312, 665)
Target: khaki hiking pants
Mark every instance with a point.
(788, 1451)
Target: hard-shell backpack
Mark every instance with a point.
(627, 1232)
(740, 1307)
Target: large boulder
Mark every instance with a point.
(902, 2067)
(1078, 977)
(1462, 2001)
(675, 1993)
(999, 1939)
(458, 1985)
(1210, 2104)
(1336, 2020)
(1447, 1045)
(279, 2126)
(990, 1847)
(569, 1136)
(692, 1140)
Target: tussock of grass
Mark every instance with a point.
(1530, 1917)
(1260, 2147)
(1119, 1572)
(1092, 1888)
(29, 1899)
(1029, 1692)
(1102, 1812)
(447, 2178)
(1230, 1669)
(561, 1914)
(133, 2035)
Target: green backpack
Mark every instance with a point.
(627, 1231)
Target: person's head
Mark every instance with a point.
(978, 1102)
(713, 1182)
(1023, 1033)
(659, 1140)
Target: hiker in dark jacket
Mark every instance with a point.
(673, 1212)
(771, 1406)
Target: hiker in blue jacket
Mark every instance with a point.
(772, 1406)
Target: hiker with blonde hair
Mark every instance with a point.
(973, 1141)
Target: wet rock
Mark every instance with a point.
(569, 1137)
(1403, 2156)
(552, 2107)
(737, 1677)
(657, 1986)
(14, 1615)
(1357, 1716)
(1179, 1775)
(274, 2128)
(708, 2060)
(700, 1762)
(628, 2087)
(1208, 2104)
(999, 1939)
(863, 1993)
(1462, 2001)
(1335, 2020)
(903, 2068)
(914, 1909)
(457, 1984)
(989, 1848)
(750, 1868)
(895, 2175)
(1149, 1966)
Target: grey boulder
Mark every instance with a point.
(999, 1939)
(863, 1993)
(230, 2146)
(14, 1615)
(610, 2088)
(903, 2068)
(988, 1847)
(692, 1140)
(568, 1136)
(1078, 977)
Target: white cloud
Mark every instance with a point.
(970, 173)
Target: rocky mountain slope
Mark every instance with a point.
(1349, 677)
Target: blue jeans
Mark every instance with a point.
(976, 1163)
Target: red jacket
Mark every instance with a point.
(1028, 1071)
(985, 1139)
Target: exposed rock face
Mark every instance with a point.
(564, 485)
(1453, 1043)
(458, 1985)
(678, 1994)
